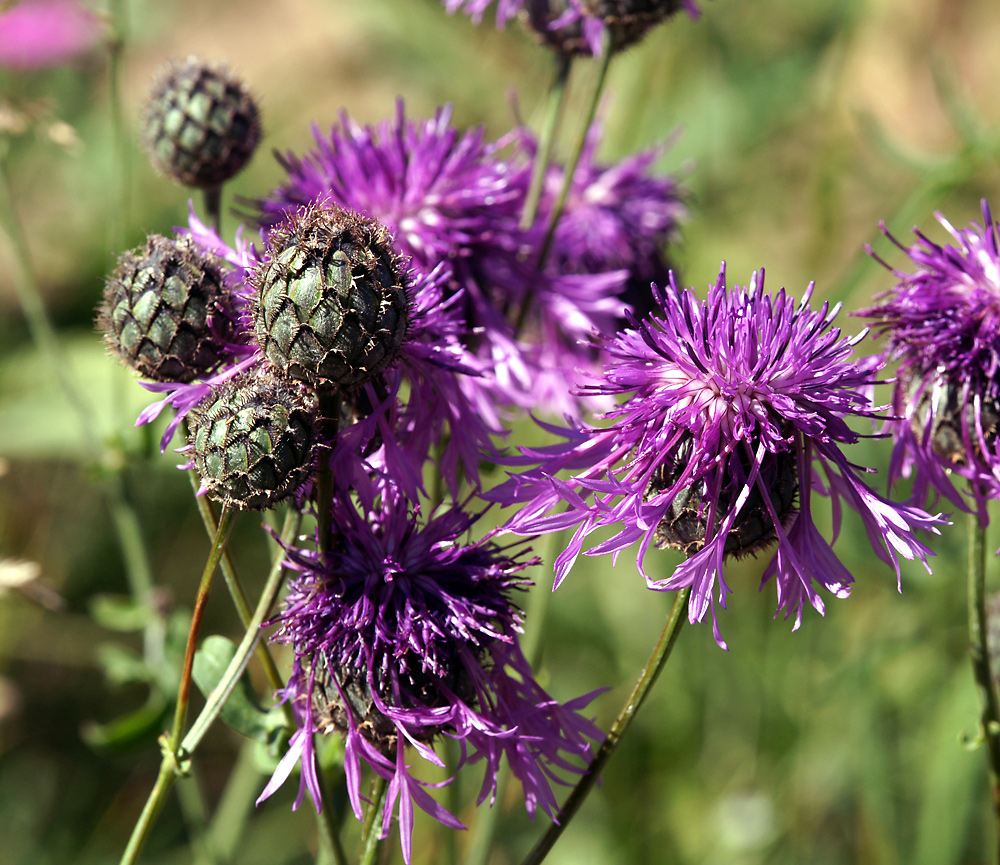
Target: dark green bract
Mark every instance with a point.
(165, 310)
(201, 125)
(254, 440)
(331, 307)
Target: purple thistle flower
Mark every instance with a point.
(587, 16)
(36, 34)
(440, 193)
(736, 411)
(942, 323)
(617, 216)
(403, 633)
(453, 203)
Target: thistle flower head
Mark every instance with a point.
(201, 125)
(736, 406)
(166, 312)
(253, 439)
(404, 632)
(332, 307)
(942, 324)
(578, 26)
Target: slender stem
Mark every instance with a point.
(330, 848)
(990, 714)
(329, 411)
(370, 832)
(127, 527)
(579, 144)
(239, 597)
(213, 206)
(225, 527)
(219, 695)
(230, 818)
(213, 704)
(555, 103)
(123, 159)
(650, 672)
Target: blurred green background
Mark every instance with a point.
(801, 125)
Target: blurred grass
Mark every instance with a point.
(802, 126)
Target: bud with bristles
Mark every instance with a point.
(253, 439)
(331, 303)
(628, 21)
(166, 312)
(201, 126)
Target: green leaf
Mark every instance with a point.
(119, 613)
(121, 665)
(242, 711)
(128, 730)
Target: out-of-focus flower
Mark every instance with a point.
(201, 125)
(578, 26)
(736, 411)
(36, 34)
(942, 323)
(403, 633)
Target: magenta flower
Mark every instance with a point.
(735, 416)
(942, 322)
(36, 34)
(404, 633)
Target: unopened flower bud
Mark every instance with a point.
(201, 125)
(628, 21)
(166, 310)
(331, 307)
(254, 440)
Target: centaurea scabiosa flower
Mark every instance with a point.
(453, 203)
(405, 632)
(578, 26)
(942, 325)
(736, 413)
(617, 216)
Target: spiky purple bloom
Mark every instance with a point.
(586, 15)
(942, 323)
(735, 416)
(403, 633)
(453, 201)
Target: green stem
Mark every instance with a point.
(555, 103)
(123, 160)
(330, 848)
(217, 698)
(329, 411)
(579, 144)
(225, 527)
(213, 704)
(990, 714)
(127, 527)
(213, 206)
(650, 672)
(370, 831)
(239, 597)
(230, 818)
